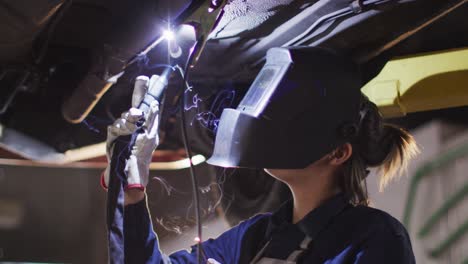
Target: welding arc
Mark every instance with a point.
(196, 196)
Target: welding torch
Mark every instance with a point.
(148, 90)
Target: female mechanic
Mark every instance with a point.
(328, 219)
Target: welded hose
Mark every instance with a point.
(193, 176)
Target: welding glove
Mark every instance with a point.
(143, 129)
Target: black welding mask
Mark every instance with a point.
(303, 104)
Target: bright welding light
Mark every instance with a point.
(169, 35)
(174, 49)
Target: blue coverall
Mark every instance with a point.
(340, 233)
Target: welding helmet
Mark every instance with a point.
(303, 103)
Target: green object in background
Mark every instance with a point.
(448, 242)
(423, 171)
(443, 210)
(465, 261)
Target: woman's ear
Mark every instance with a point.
(340, 155)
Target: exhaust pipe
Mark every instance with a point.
(77, 107)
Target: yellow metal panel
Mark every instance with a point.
(421, 82)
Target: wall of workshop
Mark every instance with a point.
(51, 215)
(435, 139)
(57, 215)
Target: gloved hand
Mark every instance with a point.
(144, 128)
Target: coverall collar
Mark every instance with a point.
(313, 222)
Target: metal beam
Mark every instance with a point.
(421, 83)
